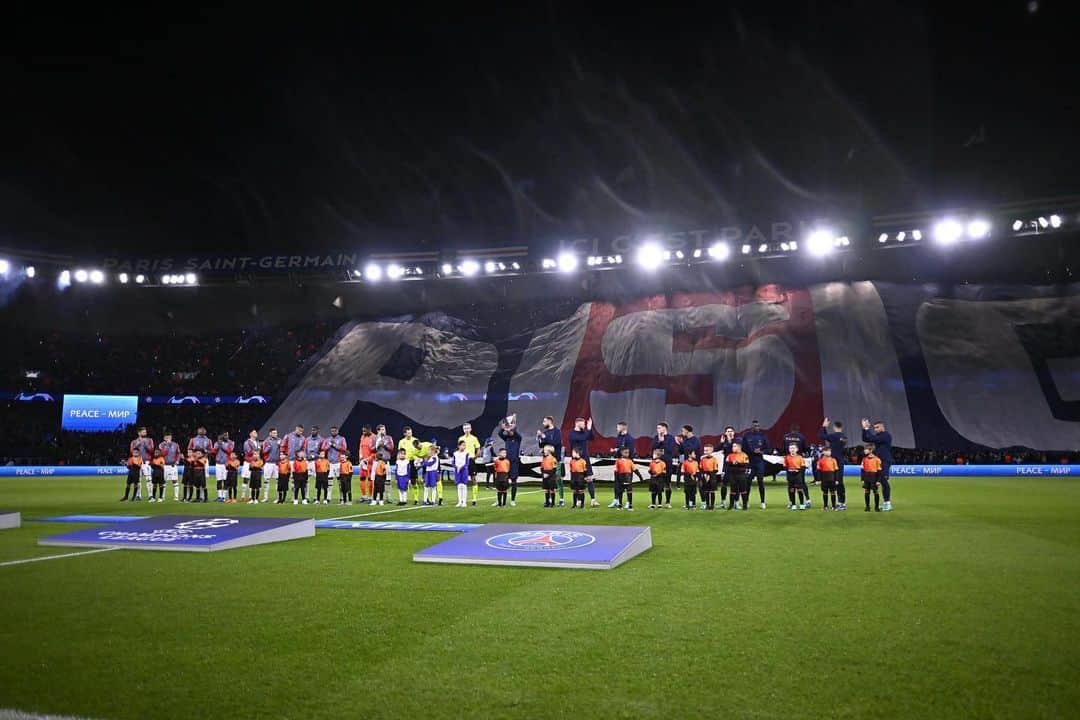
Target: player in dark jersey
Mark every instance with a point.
(837, 442)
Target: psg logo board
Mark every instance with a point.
(187, 533)
(588, 547)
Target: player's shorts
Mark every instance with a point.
(577, 482)
(199, 480)
(869, 482)
(221, 472)
(431, 479)
(300, 480)
(827, 479)
(172, 473)
(708, 482)
(270, 471)
(656, 483)
(245, 471)
(322, 481)
(144, 470)
(796, 480)
(502, 482)
(547, 482)
(256, 478)
(335, 470)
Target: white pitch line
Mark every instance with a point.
(411, 507)
(57, 557)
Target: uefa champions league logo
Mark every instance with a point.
(540, 540)
(206, 524)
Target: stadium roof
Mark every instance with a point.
(377, 130)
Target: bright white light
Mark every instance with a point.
(916, 234)
(31, 271)
(5, 267)
(679, 254)
(470, 268)
(394, 271)
(978, 228)
(1044, 223)
(697, 252)
(140, 279)
(502, 266)
(819, 242)
(190, 278)
(611, 259)
(489, 266)
(373, 272)
(447, 269)
(883, 237)
(667, 255)
(123, 277)
(1055, 221)
(784, 246)
(794, 245)
(618, 259)
(947, 231)
(900, 236)
(568, 262)
(721, 251)
(745, 249)
(1017, 224)
(762, 247)
(81, 276)
(515, 266)
(650, 256)
(166, 279)
(842, 241)
(547, 263)
(64, 280)
(590, 261)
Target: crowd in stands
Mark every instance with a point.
(255, 362)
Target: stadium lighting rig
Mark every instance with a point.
(946, 231)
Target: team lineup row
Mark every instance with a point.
(728, 466)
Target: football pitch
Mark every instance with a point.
(963, 602)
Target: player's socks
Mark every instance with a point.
(866, 499)
(791, 497)
(667, 495)
(877, 501)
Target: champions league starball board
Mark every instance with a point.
(587, 547)
(187, 533)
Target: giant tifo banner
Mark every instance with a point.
(945, 368)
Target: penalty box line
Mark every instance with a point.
(57, 557)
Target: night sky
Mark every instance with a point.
(418, 129)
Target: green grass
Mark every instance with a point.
(961, 603)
